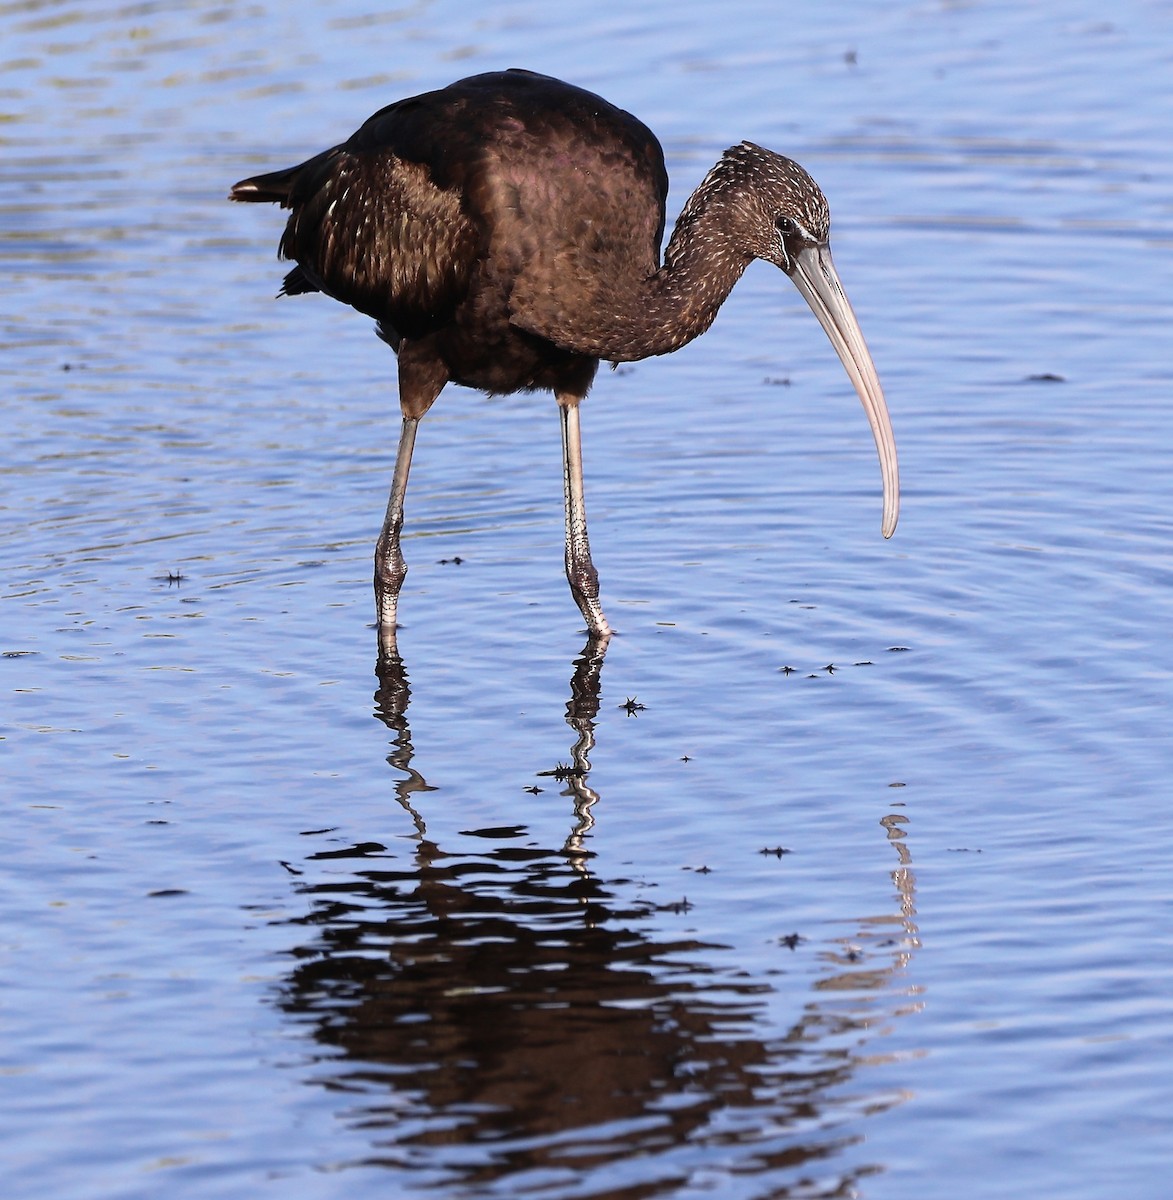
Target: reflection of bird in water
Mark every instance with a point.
(495, 1010)
(505, 234)
(494, 1015)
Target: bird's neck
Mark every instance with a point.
(702, 261)
(631, 318)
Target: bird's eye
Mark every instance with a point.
(786, 225)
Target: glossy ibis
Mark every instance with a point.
(504, 233)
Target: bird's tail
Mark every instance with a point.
(276, 187)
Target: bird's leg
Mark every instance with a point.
(421, 378)
(390, 565)
(580, 571)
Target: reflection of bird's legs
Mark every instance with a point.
(390, 565)
(580, 571)
(585, 798)
(391, 700)
(581, 710)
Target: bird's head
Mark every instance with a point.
(780, 214)
(775, 208)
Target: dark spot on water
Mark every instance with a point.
(358, 850)
(168, 892)
(520, 854)
(632, 706)
(1045, 377)
(776, 851)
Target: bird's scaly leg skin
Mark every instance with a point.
(580, 571)
(390, 565)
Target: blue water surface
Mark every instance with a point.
(844, 873)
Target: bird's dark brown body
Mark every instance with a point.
(505, 232)
(442, 207)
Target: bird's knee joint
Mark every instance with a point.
(390, 571)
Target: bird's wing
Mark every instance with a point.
(566, 191)
(375, 231)
(522, 198)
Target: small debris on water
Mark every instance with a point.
(564, 771)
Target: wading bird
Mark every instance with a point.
(504, 233)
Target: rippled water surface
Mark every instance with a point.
(845, 874)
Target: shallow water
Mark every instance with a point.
(863, 894)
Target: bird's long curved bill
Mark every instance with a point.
(815, 277)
